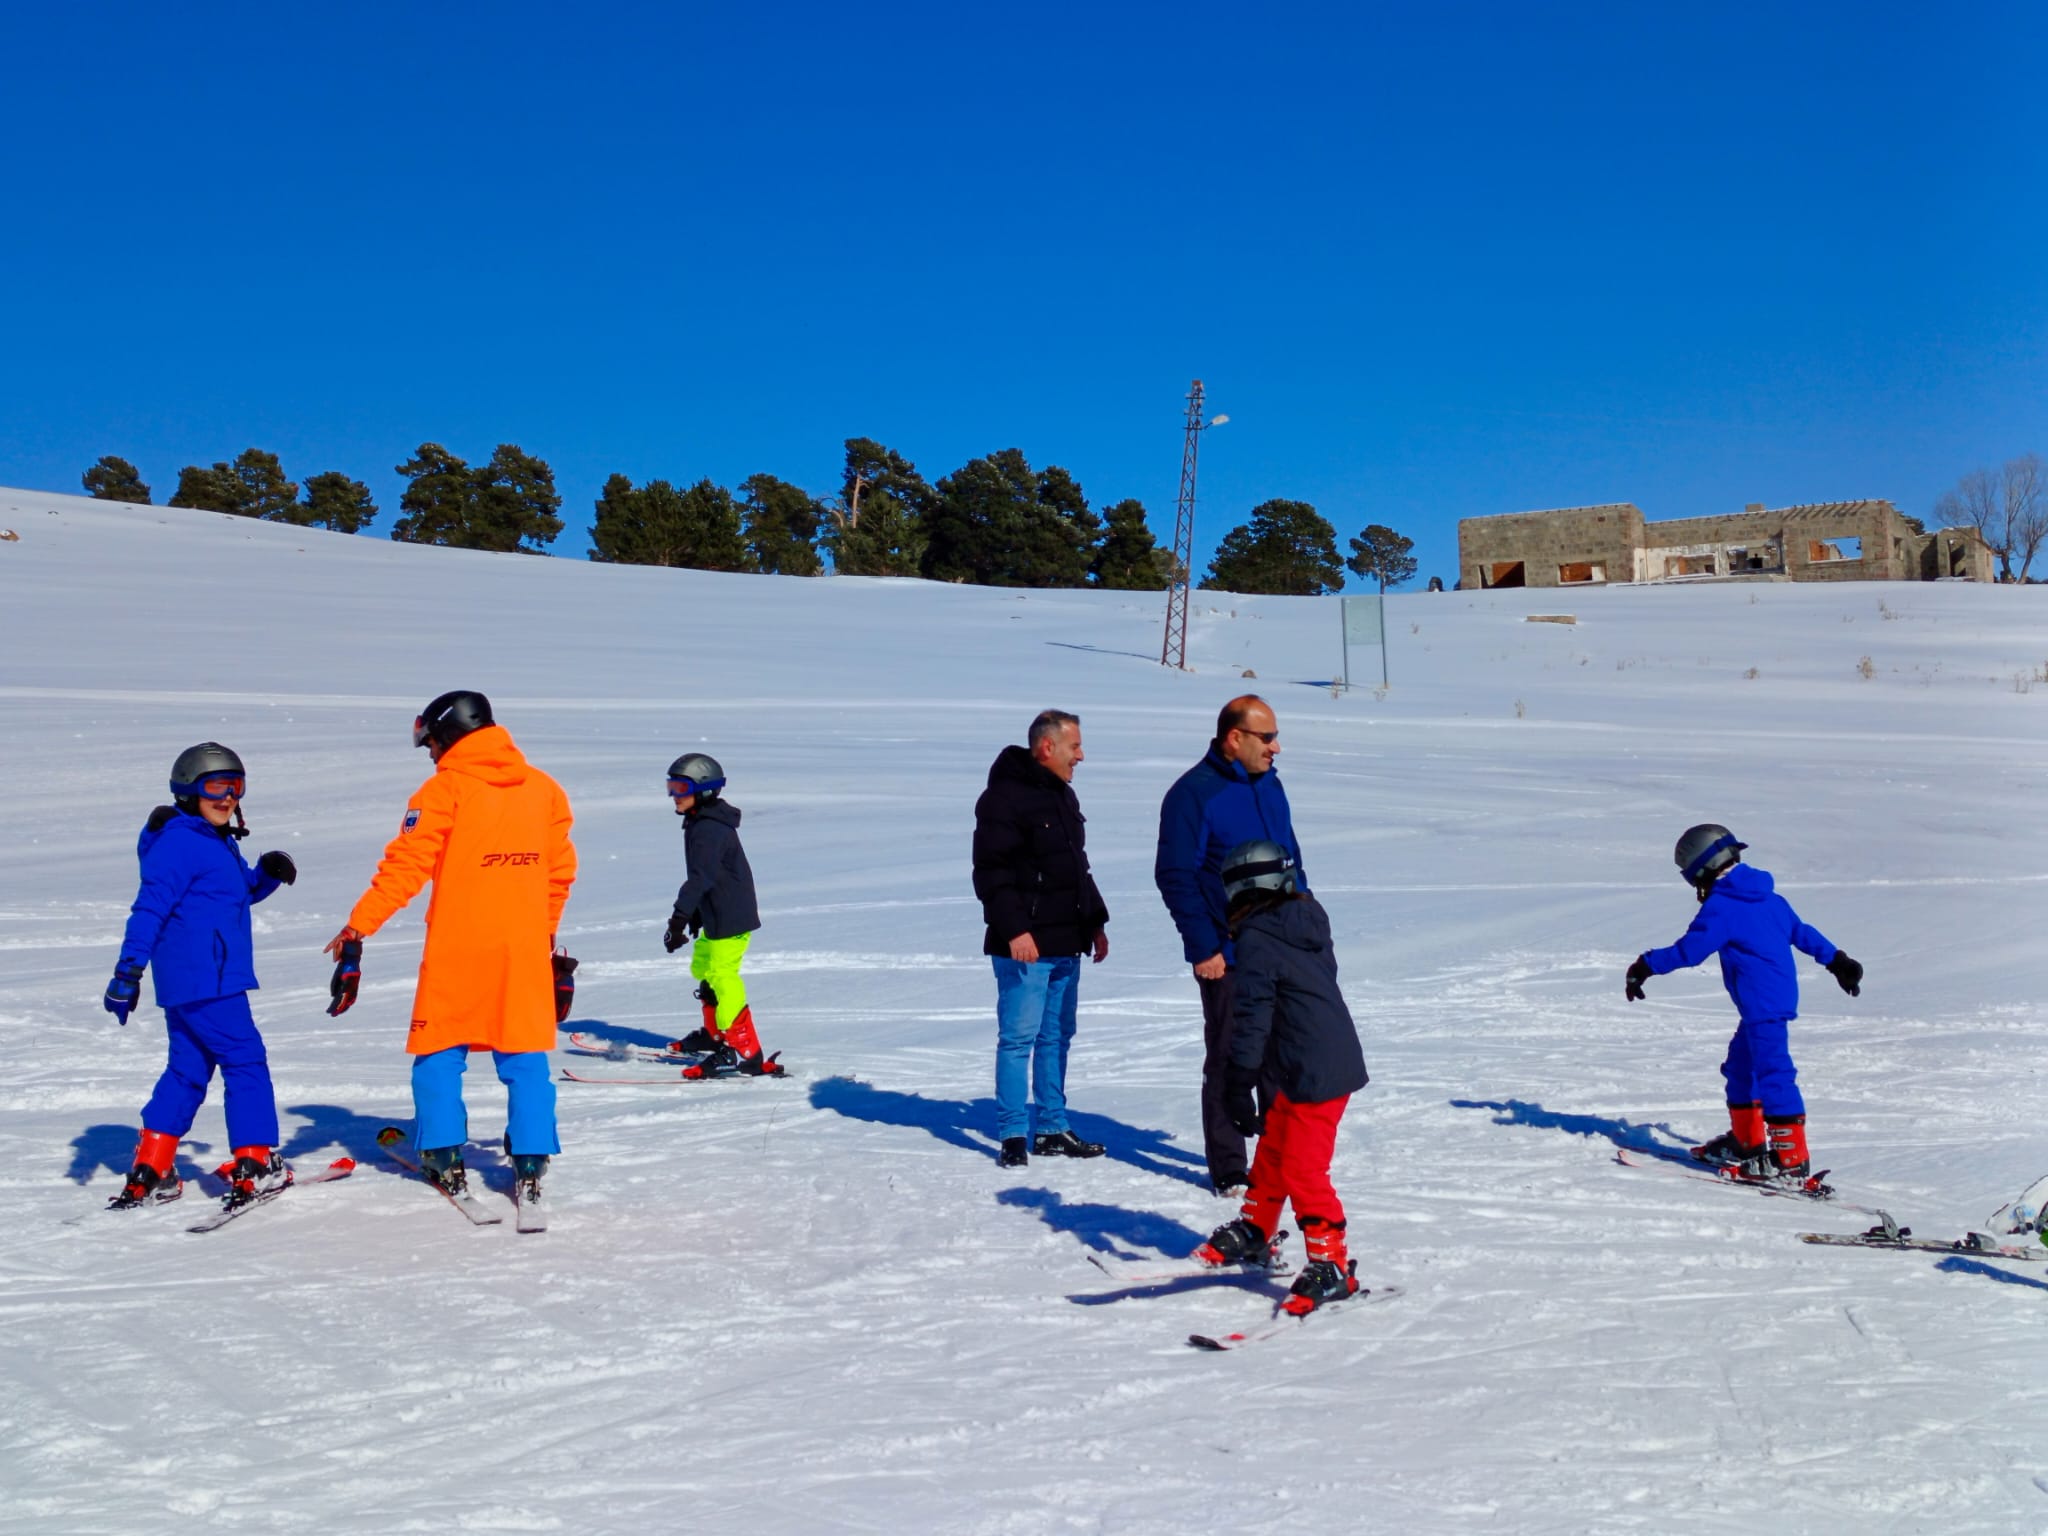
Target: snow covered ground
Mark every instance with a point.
(816, 1305)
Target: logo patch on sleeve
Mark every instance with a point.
(412, 819)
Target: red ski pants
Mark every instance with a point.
(1293, 1163)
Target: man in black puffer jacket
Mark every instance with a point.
(1043, 913)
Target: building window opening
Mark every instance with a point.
(1821, 551)
(1507, 573)
(1689, 565)
(1762, 558)
(1958, 560)
(1579, 572)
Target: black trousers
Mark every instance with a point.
(1221, 1143)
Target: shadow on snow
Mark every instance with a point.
(617, 1034)
(966, 1125)
(1105, 1227)
(1622, 1133)
(1956, 1264)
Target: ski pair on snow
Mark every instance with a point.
(531, 1214)
(2022, 1215)
(619, 1051)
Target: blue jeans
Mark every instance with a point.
(219, 1032)
(1034, 1027)
(442, 1121)
(1759, 1068)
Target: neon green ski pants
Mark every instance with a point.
(716, 963)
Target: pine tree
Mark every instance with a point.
(997, 523)
(253, 486)
(659, 525)
(877, 529)
(113, 479)
(781, 523)
(507, 504)
(1129, 559)
(1287, 548)
(335, 502)
(1382, 555)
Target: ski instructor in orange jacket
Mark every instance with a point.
(492, 833)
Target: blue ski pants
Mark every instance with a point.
(218, 1032)
(1035, 1006)
(1759, 1067)
(441, 1120)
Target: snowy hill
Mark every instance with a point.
(817, 1305)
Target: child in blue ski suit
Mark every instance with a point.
(1754, 931)
(190, 928)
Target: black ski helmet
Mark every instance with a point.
(700, 771)
(450, 718)
(1258, 865)
(195, 765)
(1706, 850)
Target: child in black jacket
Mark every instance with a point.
(715, 907)
(1293, 1043)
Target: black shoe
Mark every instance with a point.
(723, 1061)
(1064, 1144)
(1237, 1242)
(1013, 1154)
(694, 1043)
(442, 1167)
(1724, 1151)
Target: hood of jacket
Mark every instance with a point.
(1299, 924)
(1742, 882)
(175, 824)
(486, 754)
(713, 810)
(1016, 765)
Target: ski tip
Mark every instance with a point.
(390, 1136)
(1203, 1341)
(342, 1165)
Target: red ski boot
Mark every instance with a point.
(705, 1036)
(1743, 1142)
(737, 1054)
(256, 1174)
(1329, 1275)
(153, 1179)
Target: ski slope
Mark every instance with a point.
(816, 1305)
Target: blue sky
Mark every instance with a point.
(1435, 261)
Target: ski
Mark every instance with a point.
(618, 1050)
(1285, 1324)
(530, 1214)
(776, 1071)
(2023, 1212)
(392, 1140)
(1889, 1234)
(1816, 1186)
(1146, 1272)
(230, 1208)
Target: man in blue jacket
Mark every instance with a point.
(1754, 931)
(190, 929)
(1231, 796)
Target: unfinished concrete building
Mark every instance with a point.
(1826, 541)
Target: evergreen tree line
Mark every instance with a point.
(995, 521)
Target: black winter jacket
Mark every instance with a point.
(1290, 1024)
(1031, 860)
(719, 890)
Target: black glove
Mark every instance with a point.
(1638, 973)
(677, 934)
(124, 992)
(348, 975)
(1847, 972)
(565, 985)
(278, 866)
(1240, 1101)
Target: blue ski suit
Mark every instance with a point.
(1754, 930)
(190, 926)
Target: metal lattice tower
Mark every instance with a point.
(1174, 653)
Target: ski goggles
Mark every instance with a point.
(218, 786)
(677, 788)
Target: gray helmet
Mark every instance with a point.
(195, 765)
(451, 717)
(700, 771)
(1706, 850)
(1258, 865)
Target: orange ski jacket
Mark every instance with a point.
(492, 833)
